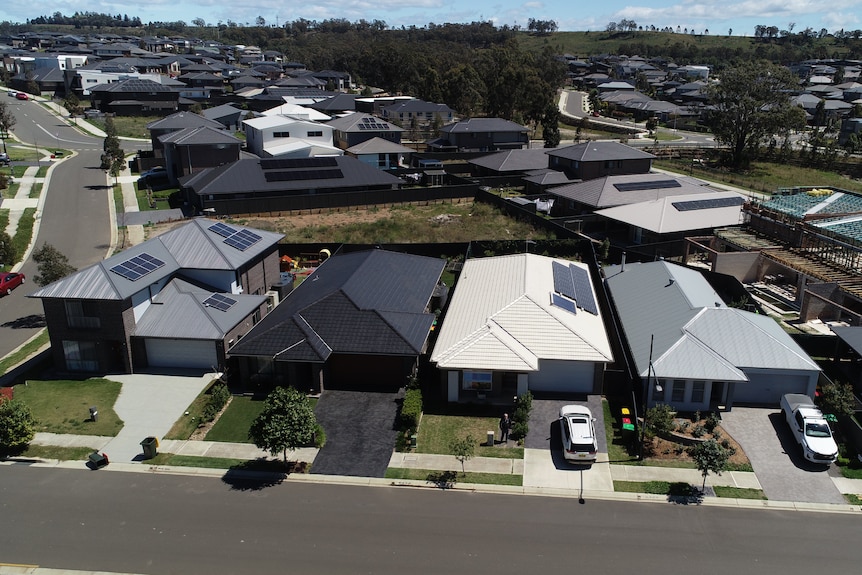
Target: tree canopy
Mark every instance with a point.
(52, 265)
(710, 456)
(286, 422)
(750, 104)
(17, 427)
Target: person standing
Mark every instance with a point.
(505, 425)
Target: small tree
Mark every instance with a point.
(286, 422)
(463, 449)
(8, 253)
(837, 398)
(551, 126)
(709, 456)
(52, 265)
(17, 427)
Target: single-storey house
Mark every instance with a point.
(381, 153)
(481, 134)
(355, 128)
(179, 300)
(693, 352)
(360, 321)
(518, 323)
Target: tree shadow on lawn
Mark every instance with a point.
(683, 493)
(257, 474)
(27, 322)
(443, 479)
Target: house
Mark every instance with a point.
(693, 352)
(360, 321)
(267, 185)
(353, 129)
(422, 112)
(381, 153)
(227, 115)
(190, 150)
(175, 123)
(589, 160)
(134, 96)
(481, 134)
(509, 162)
(519, 323)
(297, 111)
(288, 136)
(178, 300)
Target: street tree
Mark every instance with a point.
(7, 122)
(463, 448)
(17, 427)
(286, 422)
(710, 456)
(52, 265)
(750, 104)
(551, 126)
(8, 253)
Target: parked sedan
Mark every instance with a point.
(22, 96)
(9, 281)
(578, 433)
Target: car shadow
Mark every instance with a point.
(790, 447)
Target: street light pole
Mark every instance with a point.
(646, 397)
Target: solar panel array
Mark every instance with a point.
(651, 185)
(292, 163)
(563, 282)
(302, 175)
(220, 302)
(243, 239)
(564, 303)
(223, 230)
(691, 205)
(371, 123)
(585, 297)
(137, 267)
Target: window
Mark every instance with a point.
(477, 380)
(315, 134)
(658, 390)
(281, 134)
(82, 315)
(80, 355)
(678, 394)
(697, 391)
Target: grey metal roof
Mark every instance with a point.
(182, 120)
(178, 311)
(200, 136)
(482, 125)
(351, 122)
(852, 336)
(599, 152)
(223, 111)
(513, 160)
(379, 146)
(612, 191)
(693, 334)
(336, 103)
(191, 246)
(372, 302)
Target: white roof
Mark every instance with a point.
(661, 216)
(275, 121)
(501, 318)
(300, 147)
(297, 111)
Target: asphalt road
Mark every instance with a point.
(75, 217)
(161, 524)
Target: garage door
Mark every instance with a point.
(563, 377)
(189, 353)
(768, 389)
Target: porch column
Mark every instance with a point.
(452, 385)
(522, 384)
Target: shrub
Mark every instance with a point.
(698, 431)
(711, 422)
(525, 401)
(219, 396)
(411, 409)
(319, 436)
(519, 430)
(660, 418)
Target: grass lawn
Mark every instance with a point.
(684, 489)
(263, 465)
(128, 126)
(22, 353)
(851, 472)
(186, 424)
(618, 452)
(739, 492)
(437, 431)
(853, 499)
(234, 423)
(160, 199)
(450, 477)
(56, 452)
(62, 406)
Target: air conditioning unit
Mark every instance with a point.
(271, 299)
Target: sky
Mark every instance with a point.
(717, 17)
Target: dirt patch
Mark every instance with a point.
(200, 433)
(663, 449)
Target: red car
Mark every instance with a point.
(22, 96)
(9, 281)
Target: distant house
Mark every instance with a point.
(134, 97)
(481, 134)
(689, 350)
(422, 112)
(381, 153)
(590, 160)
(360, 321)
(353, 129)
(286, 136)
(227, 115)
(179, 300)
(519, 323)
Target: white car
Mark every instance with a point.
(577, 428)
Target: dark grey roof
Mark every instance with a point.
(132, 85)
(340, 102)
(351, 123)
(482, 125)
(548, 178)
(379, 146)
(852, 336)
(629, 189)
(372, 302)
(416, 105)
(250, 176)
(223, 111)
(514, 160)
(599, 152)
(202, 135)
(182, 120)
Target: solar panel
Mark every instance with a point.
(563, 282)
(651, 185)
(564, 303)
(220, 302)
(585, 297)
(137, 267)
(302, 175)
(691, 205)
(242, 240)
(223, 230)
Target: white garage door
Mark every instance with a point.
(563, 377)
(768, 389)
(190, 353)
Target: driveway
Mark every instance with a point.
(360, 432)
(777, 459)
(544, 464)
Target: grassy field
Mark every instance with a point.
(448, 478)
(437, 431)
(62, 406)
(234, 423)
(128, 126)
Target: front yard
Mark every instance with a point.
(436, 433)
(62, 406)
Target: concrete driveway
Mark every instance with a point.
(777, 459)
(360, 432)
(544, 464)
